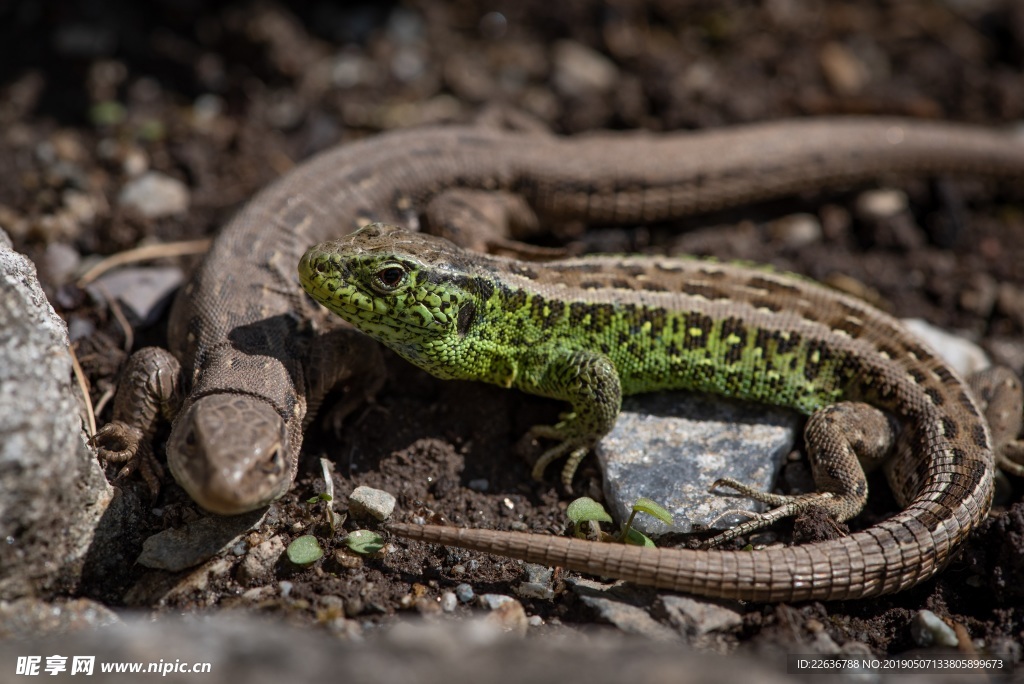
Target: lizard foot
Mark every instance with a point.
(840, 438)
(786, 506)
(574, 449)
(1010, 458)
(120, 443)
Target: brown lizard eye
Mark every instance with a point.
(391, 276)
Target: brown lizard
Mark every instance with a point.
(251, 348)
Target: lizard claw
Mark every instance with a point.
(120, 443)
(573, 449)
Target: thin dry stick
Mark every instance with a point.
(101, 403)
(131, 256)
(83, 387)
(122, 320)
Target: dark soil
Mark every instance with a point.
(227, 96)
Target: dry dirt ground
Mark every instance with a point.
(226, 96)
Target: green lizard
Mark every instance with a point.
(591, 330)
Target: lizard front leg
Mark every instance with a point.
(150, 390)
(591, 384)
(346, 359)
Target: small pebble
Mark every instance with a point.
(449, 601)
(493, 601)
(535, 590)
(845, 72)
(286, 588)
(510, 617)
(797, 230)
(928, 629)
(375, 503)
(579, 70)
(464, 592)
(155, 195)
(880, 204)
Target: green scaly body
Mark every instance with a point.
(590, 330)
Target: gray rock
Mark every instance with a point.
(464, 592)
(145, 292)
(670, 447)
(30, 617)
(537, 583)
(257, 650)
(52, 491)
(176, 549)
(605, 600)
(369, 502)
(155, 195)
(697, 617)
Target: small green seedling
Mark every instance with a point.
(364, 542)
(643, 505)
(585, 510)
(304, 550)
(332, 518)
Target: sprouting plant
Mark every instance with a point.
(585, 509)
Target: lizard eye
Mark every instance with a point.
(390, 277)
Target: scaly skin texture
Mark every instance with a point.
(590, 330)
(250, 345)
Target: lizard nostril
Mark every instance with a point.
(320, 267)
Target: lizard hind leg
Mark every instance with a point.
(999, 391)
(843, 440)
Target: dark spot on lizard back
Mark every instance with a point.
(918, 375)
(853, 328)
(733, 327)
(712, 274)
(935, 396)
(767, 304)
(772, 286)
(523, 270)
(924, 355)
(979, 436)
(703, 290)
(818, 355)
(945, 375)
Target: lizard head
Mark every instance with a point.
(415, 293)
(230, 453)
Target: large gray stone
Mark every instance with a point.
(670, 447)
(52, 491)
